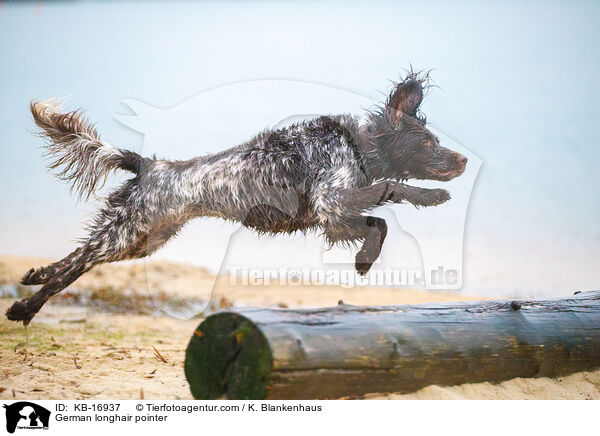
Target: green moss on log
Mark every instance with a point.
(348, 350)
(228, 356)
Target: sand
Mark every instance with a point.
(78, 353)
(189, 281)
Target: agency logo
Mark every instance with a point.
(24, 415)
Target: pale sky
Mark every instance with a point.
(518, 87)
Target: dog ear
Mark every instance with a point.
(406, 98)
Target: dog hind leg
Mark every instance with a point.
(113, 241)
(39, 276)
(26, 308)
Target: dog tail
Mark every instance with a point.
(77, 153)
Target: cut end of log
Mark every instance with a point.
(228, 356)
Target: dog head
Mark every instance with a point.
(411, 151)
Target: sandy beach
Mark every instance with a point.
(117, 347)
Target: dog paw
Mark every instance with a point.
(20, 311)
(29, 278)
(432, 197)
(363, 263)
(35, 277)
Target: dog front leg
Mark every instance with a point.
(399, 193)
(341, 212)
(343, 203)
(368, 229)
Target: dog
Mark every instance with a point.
(325, 173)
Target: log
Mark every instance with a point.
(348, 351)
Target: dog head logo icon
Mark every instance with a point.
(26, 415)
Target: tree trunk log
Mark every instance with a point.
(353, 350)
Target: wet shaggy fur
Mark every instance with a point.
(326, 174)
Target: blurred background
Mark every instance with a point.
(517, 86)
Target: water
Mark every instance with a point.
(518, 87)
